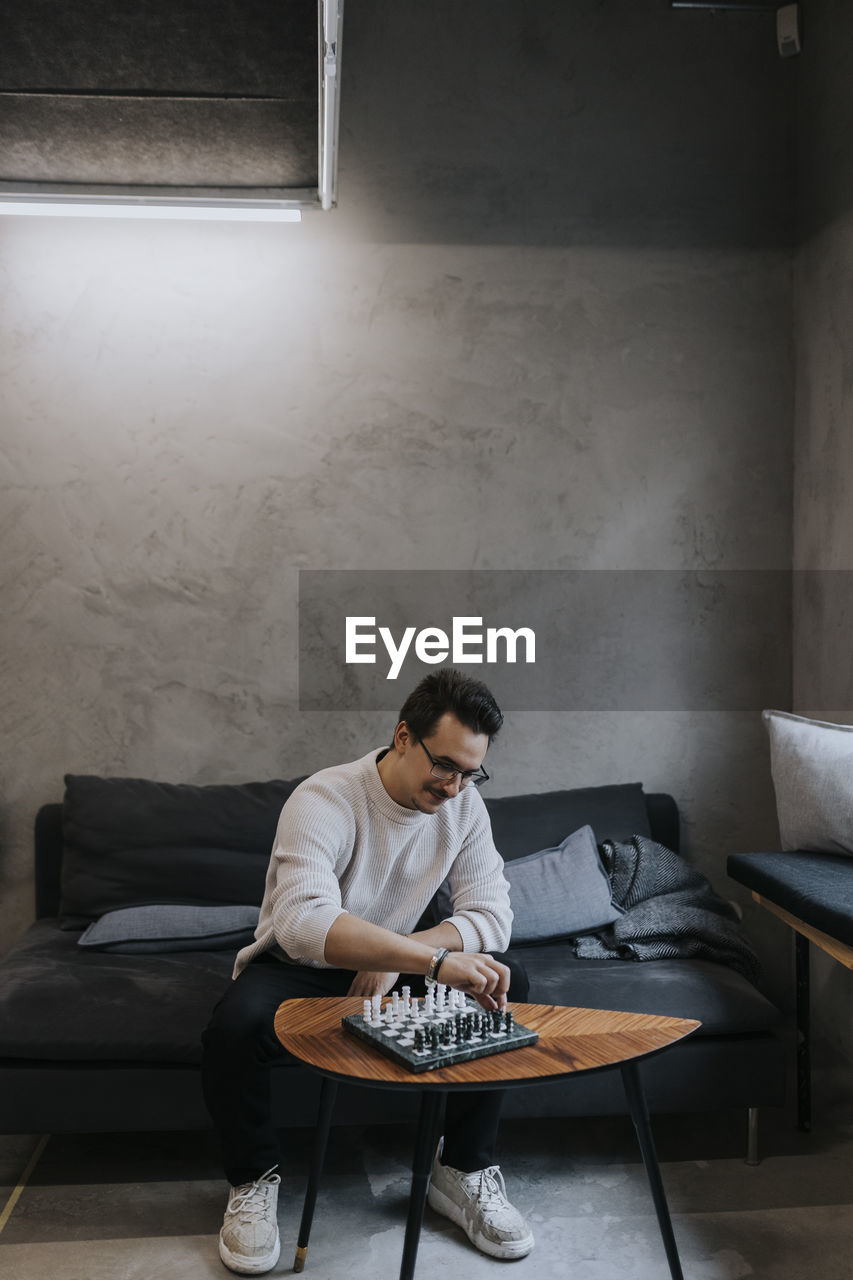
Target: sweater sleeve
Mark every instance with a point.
(479, 890)
(315, 831)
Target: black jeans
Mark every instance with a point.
(240, 1046)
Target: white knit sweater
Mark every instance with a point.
(343, 844)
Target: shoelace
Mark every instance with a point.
(252, 1200)
(489, 1187)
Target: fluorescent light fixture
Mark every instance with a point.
(115, 209)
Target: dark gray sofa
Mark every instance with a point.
(94, 1041)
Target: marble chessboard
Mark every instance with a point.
(439, 1030)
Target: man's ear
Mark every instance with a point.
(402, 737)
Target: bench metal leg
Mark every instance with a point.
(804, 1068)
(640, 1116)
(328, 1094)
(752, 1136)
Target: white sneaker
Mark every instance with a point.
(249, 1242)
(477, 1203)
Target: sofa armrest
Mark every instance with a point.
(48, 859)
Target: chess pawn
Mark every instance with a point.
(391, 1027)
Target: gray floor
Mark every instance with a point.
(122, 1207)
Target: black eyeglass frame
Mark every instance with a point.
(476, 776)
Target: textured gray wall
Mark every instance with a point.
(548, 327)
(823, 499)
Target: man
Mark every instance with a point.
(359, 852)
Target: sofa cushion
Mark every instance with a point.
(165, 927)
(720, 998)
(130, 842)
(812, 766)
(66, 1003)
(815, 887)
(525, 824)
(560, 891)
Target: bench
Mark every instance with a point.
(812, 893)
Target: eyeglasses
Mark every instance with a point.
(446, 774)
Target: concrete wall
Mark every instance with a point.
(823, 498)
(548, 327)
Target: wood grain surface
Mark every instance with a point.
(838, 950)
(570, 1041)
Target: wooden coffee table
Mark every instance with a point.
(571, 1042)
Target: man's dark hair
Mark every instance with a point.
(451, 690)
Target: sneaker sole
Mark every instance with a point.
(249, 1266)
(450, 1209)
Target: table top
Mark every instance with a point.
(571, 1041)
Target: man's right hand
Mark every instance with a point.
(477, 974)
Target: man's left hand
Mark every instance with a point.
(367, 983)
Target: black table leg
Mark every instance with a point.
(640, 1116)
(804, 1066)
(318, 1155)
(429, 1124)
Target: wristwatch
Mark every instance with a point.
(435, 964)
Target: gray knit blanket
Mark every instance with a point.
(670, 911)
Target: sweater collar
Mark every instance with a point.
(379, 796)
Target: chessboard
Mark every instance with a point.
(443, 1028)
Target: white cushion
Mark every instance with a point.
(812, 766)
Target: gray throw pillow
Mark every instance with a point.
(812, 766)
(561, 891)
(172, 927)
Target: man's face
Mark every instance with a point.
(450, 744)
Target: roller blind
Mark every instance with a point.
(185, 97)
